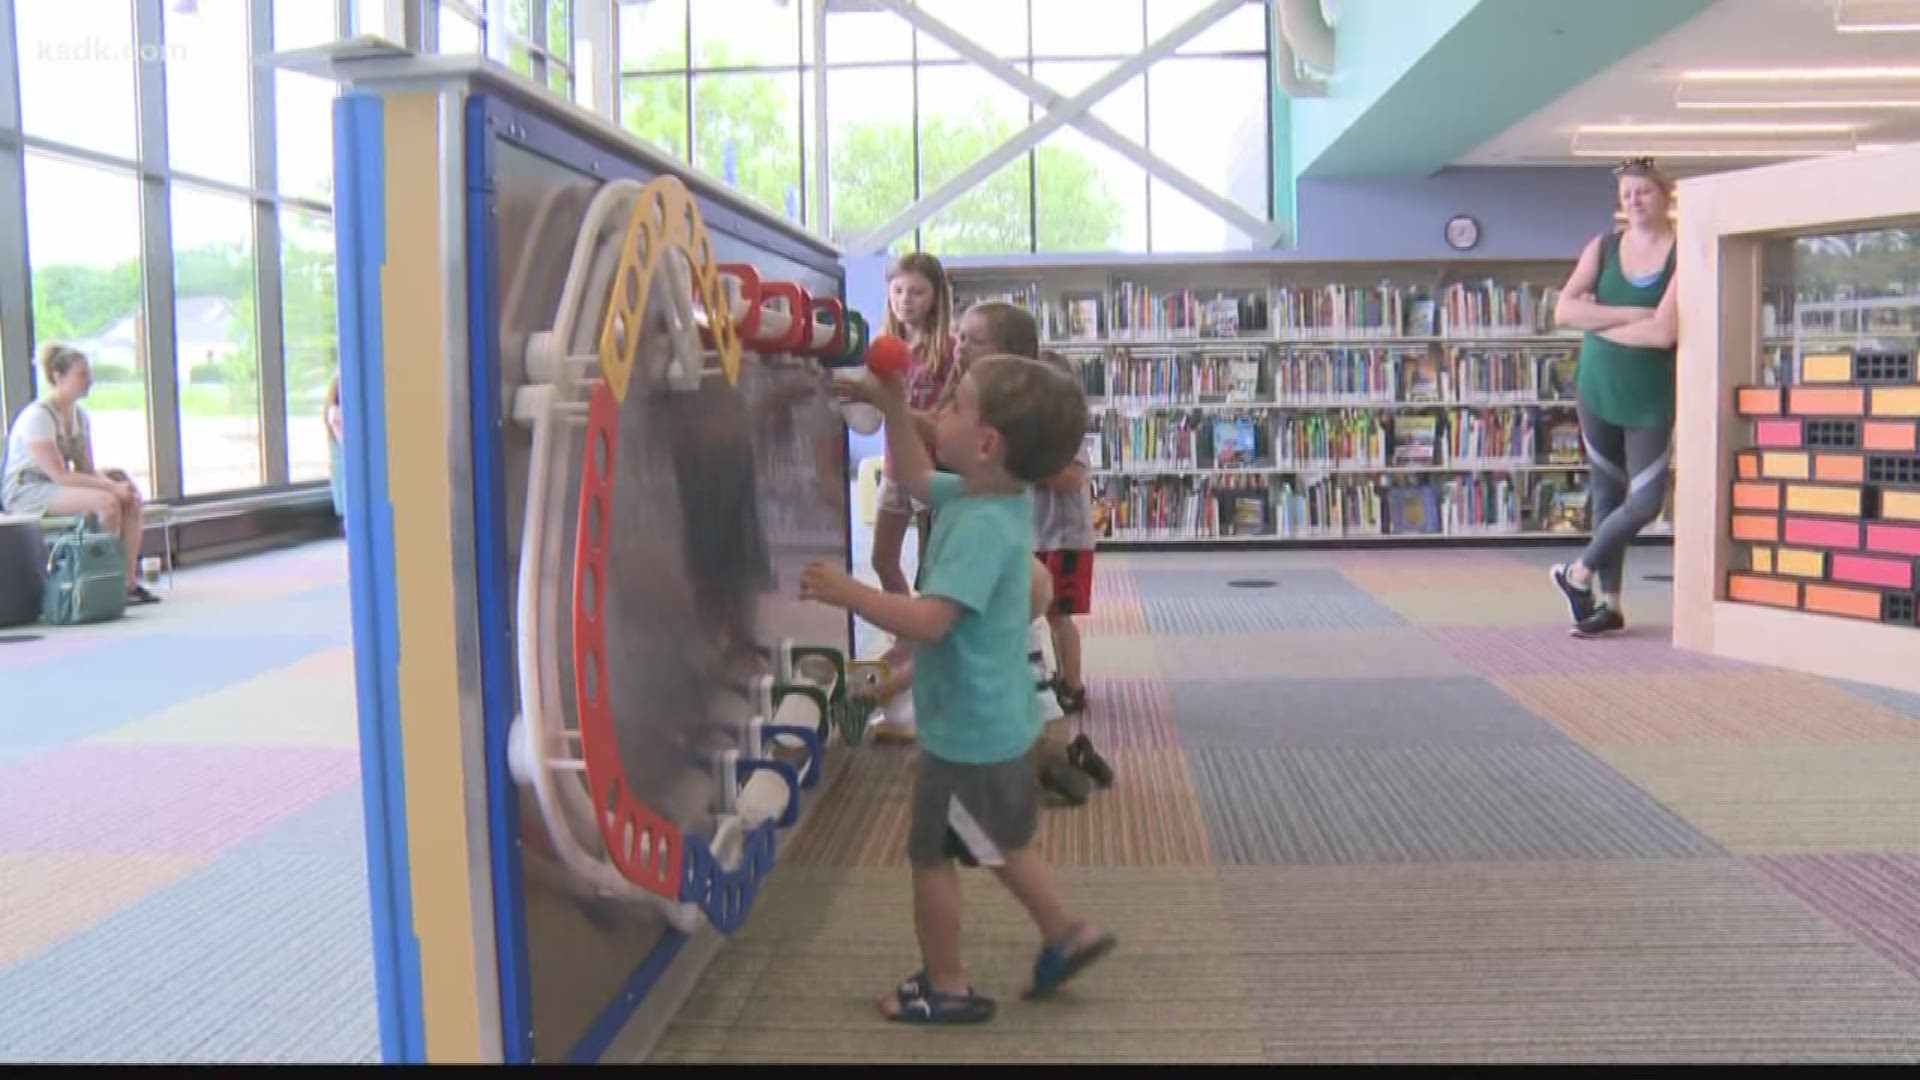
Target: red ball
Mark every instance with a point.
(889, 355)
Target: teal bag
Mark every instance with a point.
(86, 577)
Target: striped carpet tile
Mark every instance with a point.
(1785, 798)
(1736, 706)
(1294, 713)
(1239, 615)
(1446, 605)
(823, 945)
(1494, 573)
(1115, 617)
(1267, 806)
(1875, 897)
(862, 818)
(1903, 702)
(1128, 713)
(1149, 817)
(1112, 585)
(1550, 650)
(1571, 1004)
(1273, 585)
(1384, 653)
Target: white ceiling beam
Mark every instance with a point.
(1259, 229)
(1058, 117)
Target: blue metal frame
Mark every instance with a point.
(490, 120)
(360, 232)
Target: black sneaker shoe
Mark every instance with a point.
(1580, 602)
(1604, 620)
(1070, 786)
(1082, 756)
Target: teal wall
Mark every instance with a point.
(1377, 43)
(1422, 82)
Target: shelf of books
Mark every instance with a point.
(1268, 406)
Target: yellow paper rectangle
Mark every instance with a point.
(1802, 499)
(1762, 560)
(1896, 401)
(1900, 505)
(1785, 465)
(1827, 368)
(1796, 563)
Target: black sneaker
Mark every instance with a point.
(1580, 602)
(1082, 756)
(1068, 785)
(1604, 620)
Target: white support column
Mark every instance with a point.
(596, 57)
(1058, 117)
(822, 152)
(1258, 228)
(499, 25)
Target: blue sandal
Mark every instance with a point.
(1059, 962)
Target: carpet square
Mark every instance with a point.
(1394, 804)
(46, 898)
(257, 957)
(1393, 652)
(1497, 651)
(146, 673)
(1876, 898)
(1754, 704)
(157, 799)
(1130, 713)
(1786, 798)
(1384, 572)
(308, 703)
(1149, 817)
(1293, 713)
(832, 942)
(1654, 960)
(1899, 701)
(1448, 606)
(1289, 583)
(332, 825)
(1137, 655)
(1330, 610)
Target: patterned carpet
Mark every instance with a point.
(182, 860)
(1387, 810)
(1383, 810)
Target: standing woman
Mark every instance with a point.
(1622, 295)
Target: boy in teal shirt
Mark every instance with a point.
(1012, 421)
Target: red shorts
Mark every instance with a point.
(1072, 580)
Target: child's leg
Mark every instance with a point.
(1068, 945)
(1066, 648)
(936, 922)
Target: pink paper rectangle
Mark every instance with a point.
(1894, 539)
(1776, 433)
(1862, 570)
(1815, 532)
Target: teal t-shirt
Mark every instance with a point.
(973, 697)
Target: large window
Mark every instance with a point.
(216, 360)
(109, 170)
(85, 244)
(724, 83)
(307, 323)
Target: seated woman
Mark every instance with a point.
(49, 466)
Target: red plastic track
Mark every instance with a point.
(749, 328)
(839, 342)
(645, 847)
(801, 328)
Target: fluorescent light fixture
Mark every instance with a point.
(1801, 88)
(1712, 140)
(1876, 16)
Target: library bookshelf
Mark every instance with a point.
(1277, 403)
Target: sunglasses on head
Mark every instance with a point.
(1634, 164)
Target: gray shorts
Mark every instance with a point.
(973, 813)
(29, 495)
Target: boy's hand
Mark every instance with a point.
(888, 392)
(826, 583)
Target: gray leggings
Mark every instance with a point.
(1629, 482)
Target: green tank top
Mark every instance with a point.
(1626, 384)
